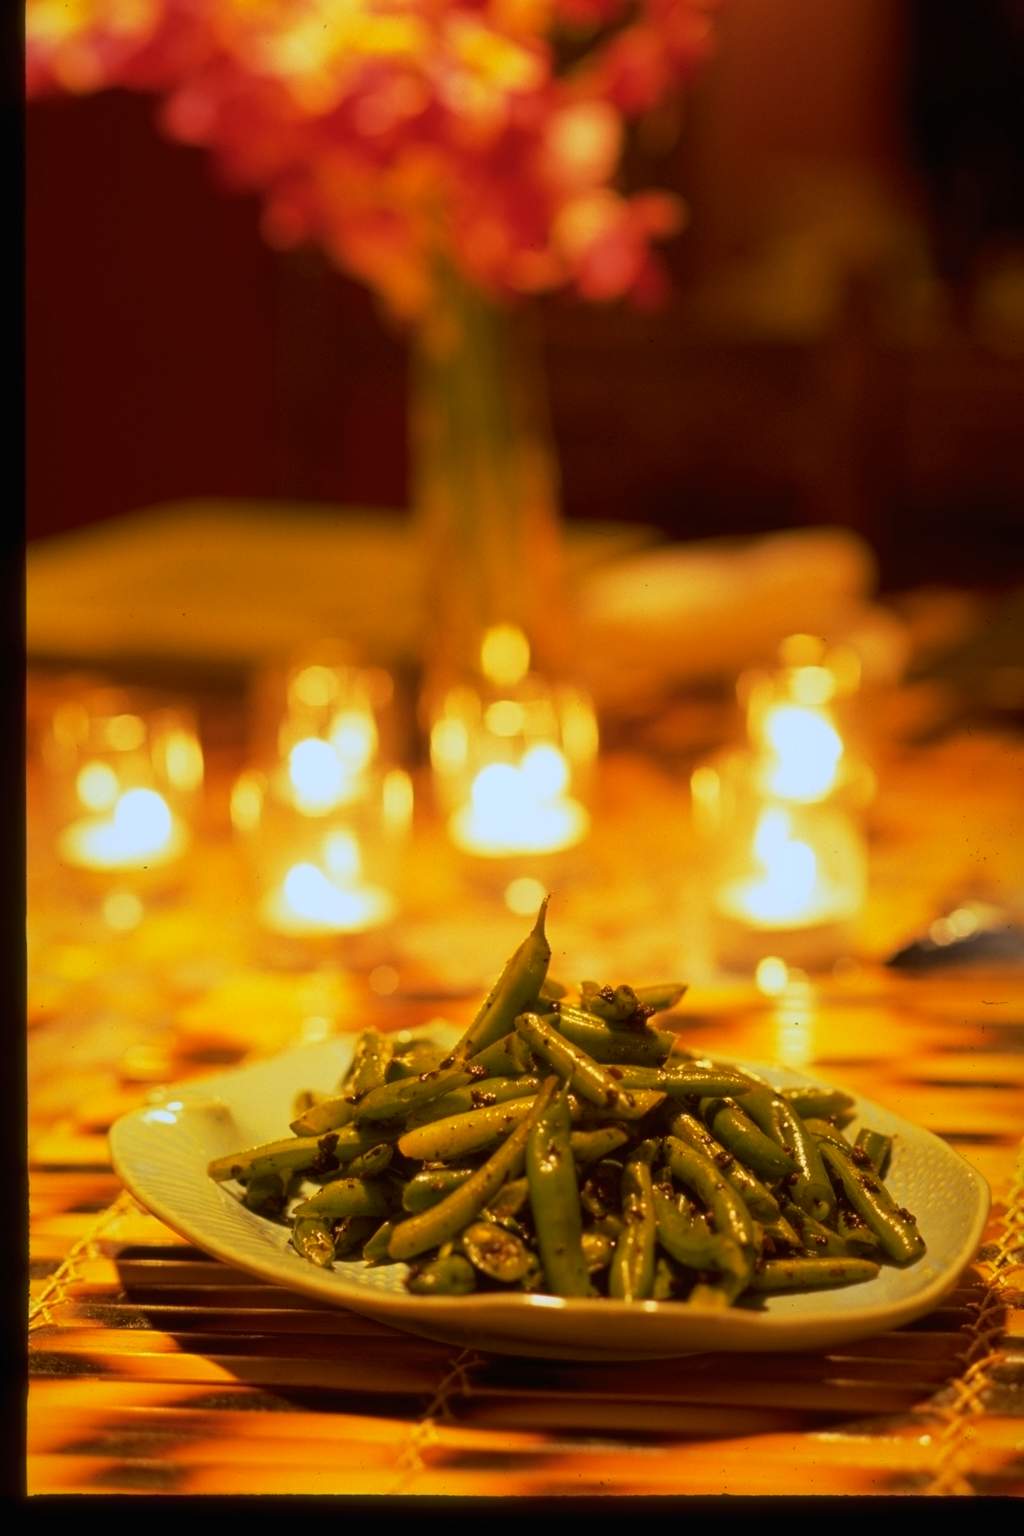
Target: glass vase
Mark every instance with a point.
(484, 484)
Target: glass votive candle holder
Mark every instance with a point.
(512, 756)
(802, 727)
(322, 873)
(124, 770)
(322, 727)
(784, 878)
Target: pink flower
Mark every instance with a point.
(396, 131)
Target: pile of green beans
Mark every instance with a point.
(572, 1147)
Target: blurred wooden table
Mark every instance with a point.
(155, 1369)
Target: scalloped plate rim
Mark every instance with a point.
(526, 1324)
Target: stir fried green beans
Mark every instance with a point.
(567, 1146)
(555, 1201)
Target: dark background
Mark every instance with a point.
(845, 344)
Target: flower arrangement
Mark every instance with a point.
(489, 133)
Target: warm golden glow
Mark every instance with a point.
(341, 855)
(812, 686)
(122, 911)
(314, 687)
(802, 651)
(97, 786)
(247, 802)
(317, 775)
(353, 735)
(521, 809)
(397, 800)
(449, 745)
(706, 796)
(125, 733)
(784, 891)
(184, 760)
(311, 902)
(505, 717)
(771, 976)
(579, 729)
(792, 884)
(505, 655)
(141, 831)
(524, 896)
(804, 751)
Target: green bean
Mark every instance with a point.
(393, 1101)
(327, 1115)
(878, 1148)
(645, 1047)
(664, 1286)
(555, 1201)
(295, 1154)
(371, 1162)
(893, 1226)
(508, 1057)
(346, 1197)
(591, 1146)
(699, 1173)
(631, 1274)
(516, 990)
(818, 1103)
(313, 1239)
(686, 1081)
(266, 1195)
(414, 1059)
(427, 1188)
(641, 1102)
(375, 1250)
(352, 1232)
(810, 1274)
(449, 1276)
(743, 1139)
(710, 1294)
(598, 1248)
(811, 1188)
(305, 1099)
(819, 1240)
(459, 1135)
(691, 1243)
(591, 1080)
(601, 1189)
(552, 991)
(659, 999)
(427, 1229)
(853, 1229)
(370, 1062)
(510, 1200)
(782, 1233)
(495, 1252)
(759, 1200)
(489, 1090)
(615, 1004)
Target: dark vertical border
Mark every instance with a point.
(14, 1191)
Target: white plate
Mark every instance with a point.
(162, 1153)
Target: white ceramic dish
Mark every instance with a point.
(162, 1152)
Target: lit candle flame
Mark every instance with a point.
(789, 889)
(521, 809)
(140, 831)
(314, 900)
(804, 751)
